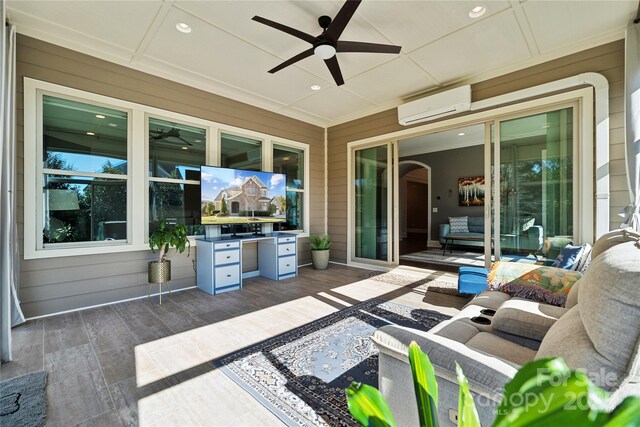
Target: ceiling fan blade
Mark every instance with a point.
(339, 23)
(184, 140)
(334, 68)
(307, 53)
(291, 31)
(346, 46)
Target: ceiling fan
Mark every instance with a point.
(327, 44)
(164, 134)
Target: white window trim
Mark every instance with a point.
(137, 170)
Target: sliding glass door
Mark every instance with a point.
(533, 209)
(372, 191)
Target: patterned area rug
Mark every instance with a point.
(447, 286)
(22, 401)
(300, 376)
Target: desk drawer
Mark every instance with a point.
(286, 265)
(226, 245)
(282, 240)
(287, 249)
(227, 257)
(226, 276)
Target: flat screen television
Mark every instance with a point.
(234, 196)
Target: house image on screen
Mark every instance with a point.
(250, 196)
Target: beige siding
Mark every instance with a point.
(52, 285)
(607, 60)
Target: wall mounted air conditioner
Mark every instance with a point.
(435, 106)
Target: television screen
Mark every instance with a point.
(233, 196)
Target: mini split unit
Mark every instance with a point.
(436, 106)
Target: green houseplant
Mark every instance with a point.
(164, 238)
(320, 245)
(543, 392)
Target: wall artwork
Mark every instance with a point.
(471, 191)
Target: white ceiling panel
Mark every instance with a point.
(229, 54)
(413, 24)
(123, 23)
(575, 20)
(333, 103)
(209, 51)
(489, 44)
(398, 79)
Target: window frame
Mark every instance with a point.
(305, 190)
(174, 118)
(137, 168)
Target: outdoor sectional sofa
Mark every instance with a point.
(528, 240)
(598, 330)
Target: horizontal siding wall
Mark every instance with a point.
(607, 60)
(56, 284)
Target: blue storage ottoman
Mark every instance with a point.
(472, 280)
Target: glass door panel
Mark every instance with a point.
(535, 200)
(371, 184)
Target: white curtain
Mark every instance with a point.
(631, 213)
(10, 312)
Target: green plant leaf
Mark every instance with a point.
(551, 394)
(626, 414)
(368, 407)
(425, 386)
(467, 413)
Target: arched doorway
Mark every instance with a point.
(414, 191)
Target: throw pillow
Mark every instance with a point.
(569, 257)
(540, 283)
(458, 224)
(585, 259)
(524, 224)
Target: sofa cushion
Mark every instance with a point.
(609, 302)
(458, 224)
(526, 318)
(476, 224)
(496, 346)
(568, 339)
(489, 299)
(572, 297)
(544, 284)
(613, 238)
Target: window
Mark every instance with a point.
(238, 152)
(176, 152)
(84, 172)
(290, 161)
(91, 187)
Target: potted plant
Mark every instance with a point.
(164, 238)
(320, 245)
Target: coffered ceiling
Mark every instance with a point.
(229, 54)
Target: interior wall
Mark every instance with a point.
(607, 60)
(56, 284)
(446, 167)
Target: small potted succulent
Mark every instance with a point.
(164, 238)
(320, 245)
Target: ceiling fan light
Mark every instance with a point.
(324, 51)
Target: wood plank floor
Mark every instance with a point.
(141, 363)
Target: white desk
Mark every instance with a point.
(219, 262)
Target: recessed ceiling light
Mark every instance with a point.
(316, 87)
(100, 116)
(461, 134)
(113, 125)
(185, 148)
(91, 133)
(477, 12)
(183, 28)
(198, 140)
